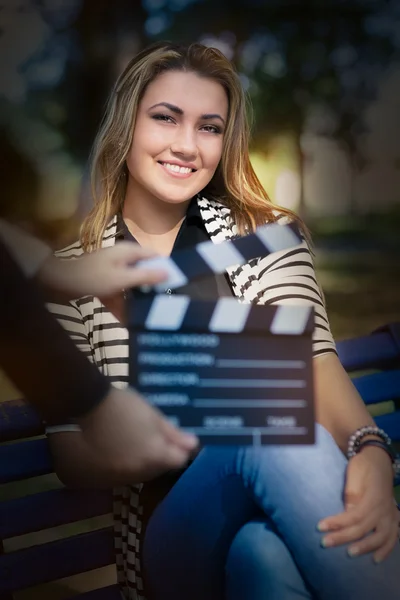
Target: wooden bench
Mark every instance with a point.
(24, 454)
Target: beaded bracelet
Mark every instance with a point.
(360, 434)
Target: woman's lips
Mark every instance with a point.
(176, 171)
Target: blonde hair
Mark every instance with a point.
(234, 184)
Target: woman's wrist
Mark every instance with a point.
(375, 447)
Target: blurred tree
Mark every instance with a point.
(107, 34)
(19, 180)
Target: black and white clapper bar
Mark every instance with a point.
(233, 373)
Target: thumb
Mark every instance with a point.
(186, 441)
(174, 457)
(136, 277)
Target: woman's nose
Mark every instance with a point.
(185, 143)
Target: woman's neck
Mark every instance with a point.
(152, 222)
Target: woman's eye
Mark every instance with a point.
(212, 128)
(165, 118)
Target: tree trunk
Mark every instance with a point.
(353, 171)
(301, 161)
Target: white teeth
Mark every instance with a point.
(177, 168)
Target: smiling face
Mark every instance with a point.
(178, 138)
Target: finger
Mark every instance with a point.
(387, 547)
(165, 457)
(172, 434)
(134, 277)
(351, 533)
(129, 252)
(183, 439)
(348, 518)
(351, 516)
(172, 456)
(374, 541)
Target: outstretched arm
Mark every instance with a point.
(102, 273)
(121, 435)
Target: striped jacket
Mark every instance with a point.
(286, 277)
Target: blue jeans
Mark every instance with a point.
(259, 566)
(241, 524)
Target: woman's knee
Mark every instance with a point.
(259, 565)
(257, 553)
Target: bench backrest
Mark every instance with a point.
(24, 454)
(378, 356)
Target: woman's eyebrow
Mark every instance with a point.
(179, 111)
(212, 116)
(172, 107)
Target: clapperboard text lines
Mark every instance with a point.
(248, 430)
(253, 383)
(192, 379)
(182, 359)
(201, 402)
(182, 399)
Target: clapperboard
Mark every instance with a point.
(233, 373)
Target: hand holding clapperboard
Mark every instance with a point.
(232, 373)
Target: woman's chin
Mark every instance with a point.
(176, 198)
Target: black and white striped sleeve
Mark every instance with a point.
(70, 318)
(288, 277)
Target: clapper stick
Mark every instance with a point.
(224, 315)
(209, 258)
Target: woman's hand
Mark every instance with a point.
(370, 522)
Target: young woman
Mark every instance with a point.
(171, 168)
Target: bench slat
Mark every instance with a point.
(55, 560)
(391, 424)
(23, 460)
(52, 508)
(370, 351)
(17, 420)
(379, 387)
